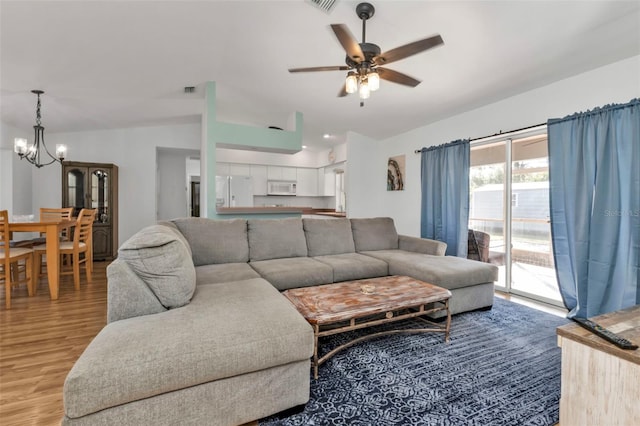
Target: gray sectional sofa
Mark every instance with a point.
(198, 332)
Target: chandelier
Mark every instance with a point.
(33, 153)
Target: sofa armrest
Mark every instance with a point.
(127, 295)
(421, 245)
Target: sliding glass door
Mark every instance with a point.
(509, 213)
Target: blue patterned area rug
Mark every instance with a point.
(501, 367)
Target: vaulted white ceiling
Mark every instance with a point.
(112, 64)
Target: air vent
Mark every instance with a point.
(326, 5)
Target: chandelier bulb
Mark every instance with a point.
(20, 146)
(61, 151)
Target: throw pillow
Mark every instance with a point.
(162, 261)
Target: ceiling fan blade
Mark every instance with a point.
(408, 50)
(312, 69)
(397, 77)
(343, 92)
(348, 42)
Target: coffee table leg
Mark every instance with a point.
(448, 327)
(316, 331)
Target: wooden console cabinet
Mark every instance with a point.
(600, 382)
(94, 186)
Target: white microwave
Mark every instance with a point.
(281, 187)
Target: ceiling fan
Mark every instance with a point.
(364, 60)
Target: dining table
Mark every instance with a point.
(52, 230)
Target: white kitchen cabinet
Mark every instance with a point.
(320, 173)
(239, 169)
(222, 169)
(259, 175)
(329, 182)
(274, 173)
(307, 182)
(281, 173)
(289, 173)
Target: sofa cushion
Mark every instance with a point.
(388, 255)
(377, 233)
(354, 266)
(328, 236)
(162, 261)
(251, 328)
(225, 272)
(293, 272)
(276, 238)
(450, 272)
(215, 240)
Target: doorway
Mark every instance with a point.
(509, 203)
(194, 195)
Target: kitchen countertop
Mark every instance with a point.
(331, 213)
(258, 210)
(279, 209)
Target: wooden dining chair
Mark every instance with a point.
(80, 249)
(54, 214)
(12, 256)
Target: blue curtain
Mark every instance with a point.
(594, 180)
(445, 195)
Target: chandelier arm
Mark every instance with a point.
(44, 145)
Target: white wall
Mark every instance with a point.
(365, 173)
(134, 152)
(615, 83)
(15, 174)
(172, 183)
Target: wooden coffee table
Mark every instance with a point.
(352, 305)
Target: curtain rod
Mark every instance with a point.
(418, 151)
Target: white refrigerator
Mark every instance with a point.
(234, 191)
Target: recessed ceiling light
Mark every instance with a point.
(304, 147)
(326, 136)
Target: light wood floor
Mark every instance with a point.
(40, 340)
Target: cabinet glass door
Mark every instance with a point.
(76, 189)
(100, 194)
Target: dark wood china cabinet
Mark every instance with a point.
(94, 186)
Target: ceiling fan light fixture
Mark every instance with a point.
(364, 59)
(365, 92)
(351, 84)
(373, 79)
